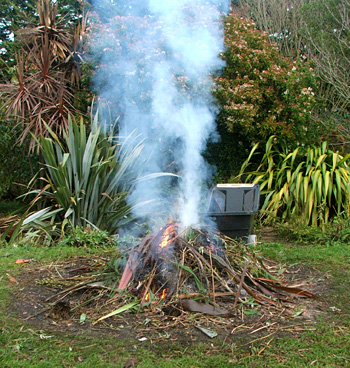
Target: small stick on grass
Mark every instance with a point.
(38, 313)
(261, 328)
(70, 289)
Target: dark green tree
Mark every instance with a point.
(14, 15)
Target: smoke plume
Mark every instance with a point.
(156, 58)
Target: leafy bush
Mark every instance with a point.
(313, 183)
(12, 207)
(261, 91)
(336, 231)
(15, 170)
(87, 237)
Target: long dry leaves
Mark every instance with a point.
(41, 94)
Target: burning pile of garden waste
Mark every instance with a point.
(172, 273)
(199, 270)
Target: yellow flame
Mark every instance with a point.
(163, 296)
(166, 237)
(165, 241)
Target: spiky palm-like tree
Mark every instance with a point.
(47, 74)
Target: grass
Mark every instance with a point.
(314, 255)
(326, 344)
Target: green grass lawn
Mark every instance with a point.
(324, 343)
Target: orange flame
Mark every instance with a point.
(166, 236)
(164, 294)
(165, 241)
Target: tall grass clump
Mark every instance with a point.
(312, 183)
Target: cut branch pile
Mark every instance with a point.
(199, 270)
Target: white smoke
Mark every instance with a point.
(157, 58)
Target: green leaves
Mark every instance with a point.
(118, 311)
(314, 184)
(88, 177)
(260, 91)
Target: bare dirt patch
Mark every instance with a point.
(66, 298)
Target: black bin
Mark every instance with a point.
(233, 207)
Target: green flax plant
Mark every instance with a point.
(312, 183)
(88, 176)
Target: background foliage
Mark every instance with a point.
(47, 72)
(260, 93)
(319, 31)
(16, 167)
(260, 90)
(326, 34)
(267, 87)
(311, 183)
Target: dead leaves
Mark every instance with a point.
(12, 279)
(22, 260)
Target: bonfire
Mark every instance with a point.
(175, 273)
(199, 270)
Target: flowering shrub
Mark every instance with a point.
(260, 91)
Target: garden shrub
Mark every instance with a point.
(87, 237)
(260, 93)
(336, 231)
(261, 90)
(87, 179)
(15, 170)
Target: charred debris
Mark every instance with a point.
(201, 270)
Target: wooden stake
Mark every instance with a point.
(241, 283)
(212, 275)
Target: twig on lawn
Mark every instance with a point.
(261, 328)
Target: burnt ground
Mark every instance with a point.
(48, 298)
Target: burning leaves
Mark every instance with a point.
(200, 271)
(168, 235)
(152, 261)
